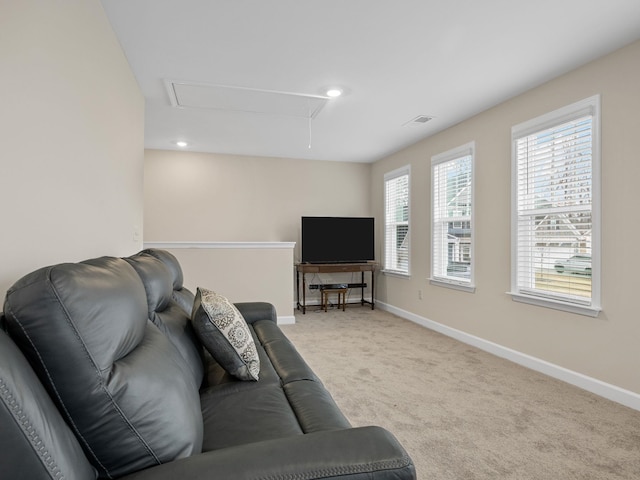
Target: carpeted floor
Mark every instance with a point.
(462, 413)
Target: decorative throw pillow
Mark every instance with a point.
(224, 333)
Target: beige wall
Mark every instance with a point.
(197, 197)
(72, 123)
(242, 273)
(605, 348)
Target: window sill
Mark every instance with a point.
(586, 310)
(396, 273)
(463, 287)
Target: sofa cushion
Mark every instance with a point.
(311, 402)
(181, 295)
(121, 384)
(286, 360)
(169, 305)
(314, 407)
(35, 442)
(225, 334)
(237, 416)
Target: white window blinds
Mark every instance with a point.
(396, 222)
(555, 207)
(452, 219)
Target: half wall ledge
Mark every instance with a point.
(241, 271)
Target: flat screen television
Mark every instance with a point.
(337, 239)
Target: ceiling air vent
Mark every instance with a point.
(419, 120)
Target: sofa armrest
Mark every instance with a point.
(254, 311)
(355, 453)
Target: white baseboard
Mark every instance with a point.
(625, 397)
(286, 320)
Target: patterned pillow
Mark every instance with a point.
(224, 333)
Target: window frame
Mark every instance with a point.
(458, 153)
(587, 107)
(389, 176)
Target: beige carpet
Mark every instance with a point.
(462, 413)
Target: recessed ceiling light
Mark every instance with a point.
(334, 92)
(181, 143)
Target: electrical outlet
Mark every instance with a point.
(419, 294)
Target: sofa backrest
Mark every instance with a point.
(125, 390)
(35, 442)
(169, 304)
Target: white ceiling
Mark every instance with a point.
(394, 59)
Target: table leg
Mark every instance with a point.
(373, 289)
(304, 294)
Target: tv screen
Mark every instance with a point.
(337, 239)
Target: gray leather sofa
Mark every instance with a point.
(102, 375)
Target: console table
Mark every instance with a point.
(303, 268)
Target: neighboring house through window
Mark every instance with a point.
(396, 221)
(556, 209)
(452, 218)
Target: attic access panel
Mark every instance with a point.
(243, 99)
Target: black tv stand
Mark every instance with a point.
(304, 268)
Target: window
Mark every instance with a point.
(396, 221)
(556, 209)
(452, 218)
